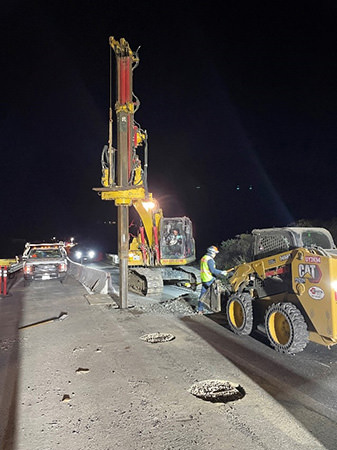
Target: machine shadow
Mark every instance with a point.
(266, 372)
(10, 316)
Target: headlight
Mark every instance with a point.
(91, 254)
(78, 255)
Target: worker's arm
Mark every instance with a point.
(215, 272)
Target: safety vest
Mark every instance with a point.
(205, 273)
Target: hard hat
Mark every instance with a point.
(213, 249)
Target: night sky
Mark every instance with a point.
(238, 95)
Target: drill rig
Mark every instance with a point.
(162, 247)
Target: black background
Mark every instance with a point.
(242, 94)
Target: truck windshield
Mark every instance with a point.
(45, 253)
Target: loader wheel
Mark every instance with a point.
(239, 311)
(286, 328)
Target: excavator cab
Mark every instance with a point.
(176, 241)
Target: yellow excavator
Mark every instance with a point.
(162, 247)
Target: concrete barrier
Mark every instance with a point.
(15, 267)
(13, 264)
(96, 280)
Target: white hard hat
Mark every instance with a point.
(213, 249)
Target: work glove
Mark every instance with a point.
(224, 273)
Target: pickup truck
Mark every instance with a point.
(44, 262)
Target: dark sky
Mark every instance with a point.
(242, 94)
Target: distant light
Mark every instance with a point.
(91, 254)
(78, 255)
(197, 187)
(250, 187)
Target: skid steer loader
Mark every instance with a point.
(289, 289)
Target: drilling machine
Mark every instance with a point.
(163, 247)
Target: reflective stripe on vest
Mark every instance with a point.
(205, 273)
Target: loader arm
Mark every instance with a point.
(263, 268)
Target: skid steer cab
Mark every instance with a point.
(289, 289)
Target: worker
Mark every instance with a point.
(208, 272)
(174, 241)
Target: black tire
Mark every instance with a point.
(239, 312)
(286, 328)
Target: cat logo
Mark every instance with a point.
(310, 271)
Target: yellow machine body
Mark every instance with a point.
(292, 289)
(313, 285)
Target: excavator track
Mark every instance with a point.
(145, 281)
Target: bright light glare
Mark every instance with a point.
(149, 204)
(91, 254)
(334, 285)
(78, 255)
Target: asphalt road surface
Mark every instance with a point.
(75, 374)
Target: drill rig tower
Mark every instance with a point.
(152, 251)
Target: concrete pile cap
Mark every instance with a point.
(217, 390)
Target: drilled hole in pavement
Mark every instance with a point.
(82, 370)
(153, 338)
(217, 391)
